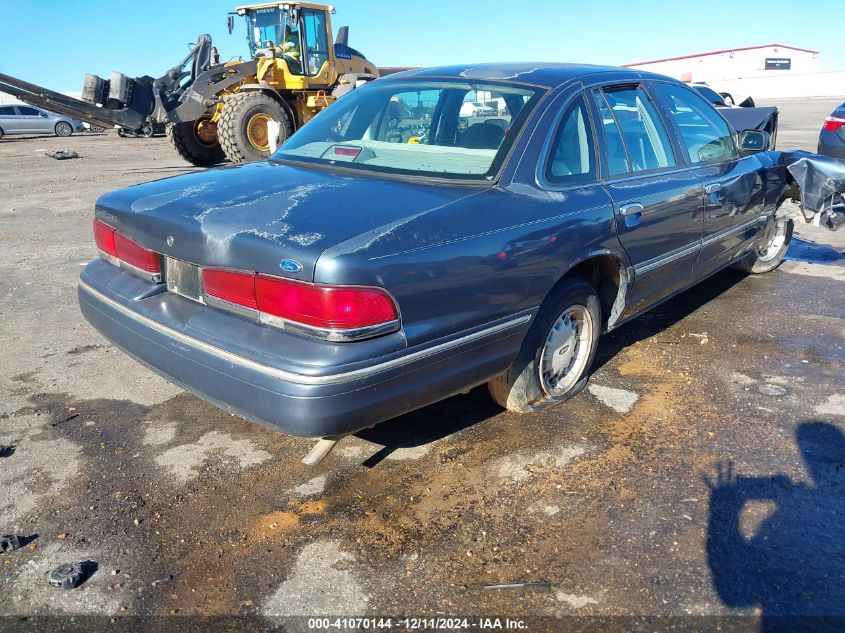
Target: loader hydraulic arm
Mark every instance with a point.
(129, 117)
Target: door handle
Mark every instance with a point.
(631, 209)
(712, 188)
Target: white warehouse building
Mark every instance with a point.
(766, 71)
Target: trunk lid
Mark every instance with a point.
(262, 216)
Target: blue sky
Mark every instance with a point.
(57, 44)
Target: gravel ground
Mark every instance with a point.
(700, 474)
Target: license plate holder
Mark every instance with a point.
(183, 278)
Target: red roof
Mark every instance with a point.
(727, 50)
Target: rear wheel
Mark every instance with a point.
(1, 132)
(244, 133)
(554, 361)
(770, 251)
(97, 129)
(64, 129)
(196, 141)
(147, 130)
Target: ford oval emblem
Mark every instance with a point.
(290, 266)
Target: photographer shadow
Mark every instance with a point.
(793, 567)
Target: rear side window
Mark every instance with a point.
(7, 111)
(28, 111)
(644, 137)
(705, 134)
(617, 157)
(572, 158)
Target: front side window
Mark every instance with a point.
(572, 158)
(417, 127)
(705, 134)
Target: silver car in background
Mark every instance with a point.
(26, 119)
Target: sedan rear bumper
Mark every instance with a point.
(302, 403)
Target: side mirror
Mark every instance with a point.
(751, 141)
(230, 23)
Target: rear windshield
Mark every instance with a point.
(443, 128)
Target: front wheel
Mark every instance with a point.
(770, 251)
(63, 129)
(147, 130)
(554, 361)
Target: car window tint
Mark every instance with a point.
(7, 111)
(439, 127)
(28, 111)
(711, 95)
(645, 137)
(705, 134)
(617, 157)
(572, 157)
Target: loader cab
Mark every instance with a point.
(297, 33)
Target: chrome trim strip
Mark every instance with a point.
(657, 262)
(288, 376)
(686, 250)
(329, 334)
(733, 229)
(132, 270)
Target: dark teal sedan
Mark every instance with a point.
(396, 251)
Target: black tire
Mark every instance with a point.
(96, 129)
(63, 129)
(771, 250)
(521, 388)
(1, 132)
(239, 111)
(728, 97)
(121, 132)
(147, 130)
(185, 139)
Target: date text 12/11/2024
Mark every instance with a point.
(416, 624)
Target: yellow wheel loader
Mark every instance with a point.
(238, 110)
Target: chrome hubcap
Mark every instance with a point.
(566, 350)
(775, 238)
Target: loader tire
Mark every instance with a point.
(196, 142)
(243, 126)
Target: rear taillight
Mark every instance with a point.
(331, 312)
(120, 250)
(136, 255)
(232, 286)
(833, 123)
(323, 306)
(104, 237)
